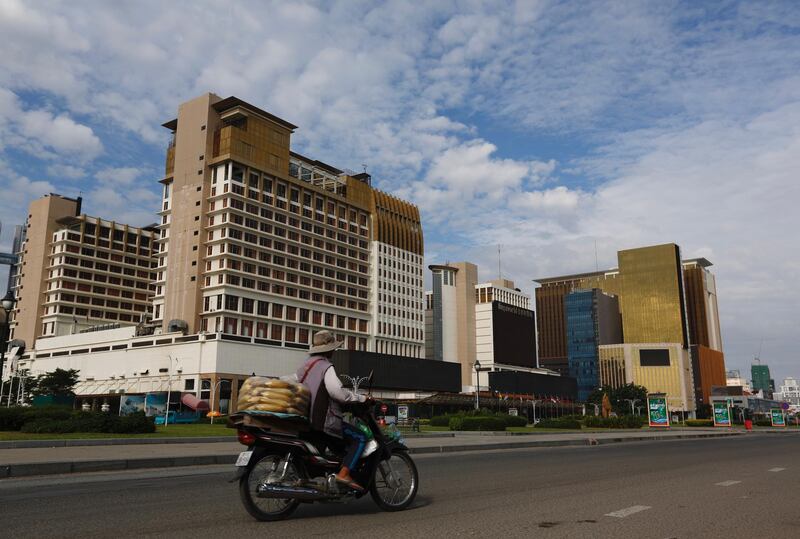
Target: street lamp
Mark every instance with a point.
(477, 367)
(214, 389)
(632, 402)
(169, 387)
(7, 304)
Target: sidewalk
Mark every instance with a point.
(92, 458)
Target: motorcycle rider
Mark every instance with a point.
(327, 396)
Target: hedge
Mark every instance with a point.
(440, 421)
(699, 422)
(15, 417)
(93, 422)
(762, 423)
(619, 422)
(559, 423)
(477, 423)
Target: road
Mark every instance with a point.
(739, 487)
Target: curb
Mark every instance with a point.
(32, 444)
(59, 468)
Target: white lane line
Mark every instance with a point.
(727, 483)
(628, 511)
(776, 469)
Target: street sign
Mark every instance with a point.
(657, 411)
(776, 415)
(513, 411)
(384, 408)
(402, 412)
(785, 405)
(722, 414)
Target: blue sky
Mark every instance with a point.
(545, 127)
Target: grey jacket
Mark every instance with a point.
(327, 395)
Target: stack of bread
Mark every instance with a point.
(271, 395)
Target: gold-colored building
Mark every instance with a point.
(660, 367)
(662, 299)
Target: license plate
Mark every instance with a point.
(244, 458)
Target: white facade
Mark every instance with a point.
(397, 301)
(734, 378)
(789, 392)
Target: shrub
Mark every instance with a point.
(440, 420)
(93, 422)
(560, 423)
(15, 417)
(619, 422)
(514, 420)
(762, 423)
(699, 422)
(477, 423)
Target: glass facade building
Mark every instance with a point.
(580, 309)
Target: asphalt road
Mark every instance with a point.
(745, 486)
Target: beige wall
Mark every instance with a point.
(197, 123)
(466, 279)
(41, 224)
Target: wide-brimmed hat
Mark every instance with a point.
(324, 341)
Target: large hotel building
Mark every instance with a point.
(255, 248)
(77, 272)
(665, 308)
(258, 241)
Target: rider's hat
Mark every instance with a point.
(324, 341)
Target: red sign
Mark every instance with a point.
(384, 408)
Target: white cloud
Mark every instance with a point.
(120, 175)
(68, 172)
(683, 120)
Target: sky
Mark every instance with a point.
(547, 128)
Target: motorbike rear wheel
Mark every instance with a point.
(396, 481)
(267, 509)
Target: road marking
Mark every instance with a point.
(727, 483)
(776, 469)
(628, 511)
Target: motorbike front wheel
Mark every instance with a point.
(396, 482)
(267, 509)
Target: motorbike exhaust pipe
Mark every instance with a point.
(296, 493)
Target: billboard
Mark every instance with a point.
(722, 414)
(155, 403)
(514, 333)
(130, 404)
(657, 411)
(776, 415)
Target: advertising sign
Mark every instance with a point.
(776, 415)
(402, 412)
(155, 404)
(722, 414)
(657, 411)
(129, 404)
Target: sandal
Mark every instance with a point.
(350, 484)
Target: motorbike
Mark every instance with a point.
(280, 470)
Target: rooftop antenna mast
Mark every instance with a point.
(499, 263)
(596, 264)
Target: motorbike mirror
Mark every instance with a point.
(369, 379)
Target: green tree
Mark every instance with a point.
(58, 382)
(617, 396)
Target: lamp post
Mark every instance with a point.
(477, 367)
(7, 304)
(169, 387)
(214, 389)
(632, 402)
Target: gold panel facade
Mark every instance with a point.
(612, 366)
(650, 290)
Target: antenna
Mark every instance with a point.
(499, 263)
(364, 166)
(596, 265)
(758, 356)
